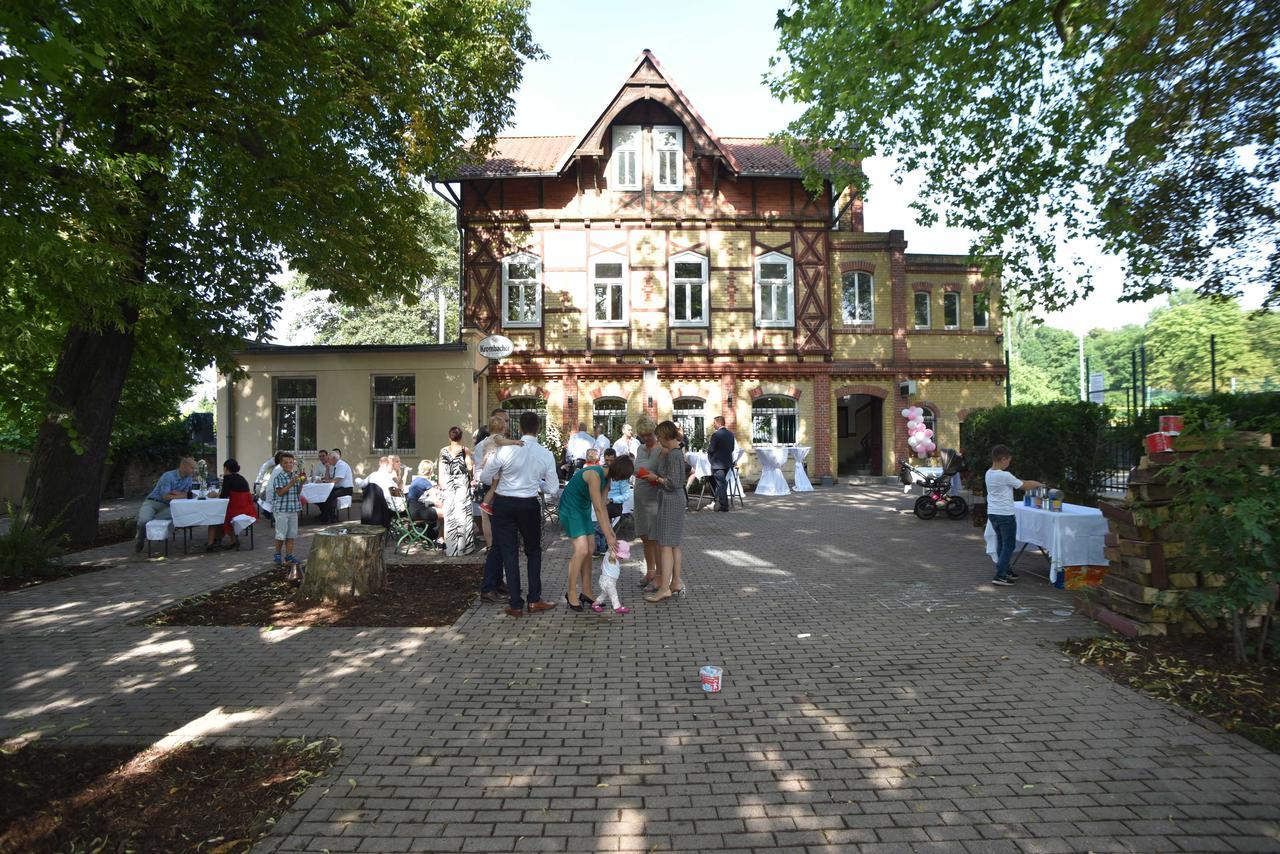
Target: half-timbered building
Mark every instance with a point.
(645, 264)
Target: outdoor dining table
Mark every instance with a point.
(316, 493)
(1074, 536)
(699, 462)
(771, 480)
(800, 477)
(188, 513)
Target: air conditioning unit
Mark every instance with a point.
(907, 388)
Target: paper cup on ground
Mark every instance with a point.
(711, 676)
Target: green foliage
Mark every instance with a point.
(1178, 346)
(1055, 443)
(28, 550)
(1054, 355)
(1149, 127)
(552, 439)
(393, 318)
(159, 161)
(164, 443)
(1031, 384)
(1226, 506)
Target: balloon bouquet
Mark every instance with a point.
(919, 437)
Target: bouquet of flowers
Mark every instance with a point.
(202, 471)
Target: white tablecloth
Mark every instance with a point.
(316, 493)
(699, 462)
(801, 477)
(187, 512)
(1075, 536)
(771, 480)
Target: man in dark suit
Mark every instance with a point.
(720, 455)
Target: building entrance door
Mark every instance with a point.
(859, 429)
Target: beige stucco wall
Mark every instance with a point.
(444, 387)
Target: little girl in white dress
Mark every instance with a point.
(609, 572)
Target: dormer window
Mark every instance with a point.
(624, 165)
(668, 157)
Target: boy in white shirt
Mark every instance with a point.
(1000, 486)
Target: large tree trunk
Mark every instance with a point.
(65, 479)
(344, 564)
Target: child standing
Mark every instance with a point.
(287, 489)
(1000, 486)
(610, 570)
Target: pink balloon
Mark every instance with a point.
(928, 433)
(922, 454)
(932, 447)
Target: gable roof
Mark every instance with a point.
(550, 156)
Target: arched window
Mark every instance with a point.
(773, 420)
(516, 406)
(930, 420)
(691, 414)
(609, 413)
(859, 306)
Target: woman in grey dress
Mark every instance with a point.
(667, 474)
(646, 501)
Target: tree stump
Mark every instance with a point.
(344, 564)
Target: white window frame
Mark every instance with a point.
(928, 310)
(296, 404)
(615, 161)
(522, 258)
(608, 258)
(687, 412)
(678, 184)
(946, 295)
(986, 312)
(771, 414)
(790, 322)
(688, 258)
(871, 286)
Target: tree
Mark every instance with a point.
(393, 318)
(1111, 352)
(1149, 126)
(158, 161)
(1056, 354)
(1178, 345)
(1031, 384)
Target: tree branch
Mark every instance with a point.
(338, 22)
(1065, 30)
(990, 19)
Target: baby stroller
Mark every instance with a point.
(937, 488)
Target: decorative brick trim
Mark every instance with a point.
(791, 392)
(518, 391)
(569, 413)
(727, 387)
(869, 390)
(864, 266)
(979, 287)
(922, 286)
(597, 393)
(901, 308)
(953, 287)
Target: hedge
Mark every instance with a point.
(1058, 444)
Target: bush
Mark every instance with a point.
(1258, 411)
(1055, 443)
(28, 550)
(157, 443)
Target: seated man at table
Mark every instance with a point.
(385, 479)
(171, 485)
(320, 471)
(344, 483)
(1000, 486)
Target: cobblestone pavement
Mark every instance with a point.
(879, 696)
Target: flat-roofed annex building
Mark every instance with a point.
(645, 264)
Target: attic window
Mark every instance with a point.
(668, 151)
(624, 166)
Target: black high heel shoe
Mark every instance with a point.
(583, 599)
(572, 607)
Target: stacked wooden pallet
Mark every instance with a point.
(1150, 572)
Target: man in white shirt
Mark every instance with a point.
(385, 479)
(602, 441)
(575, 449)
(344, 484)
(320, 469)
(522, 471)
(627, 445)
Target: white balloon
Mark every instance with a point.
(912, 441)
(906, 413)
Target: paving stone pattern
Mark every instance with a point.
(879, 696)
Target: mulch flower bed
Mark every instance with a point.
(115, 798)
(1195, 672)
(415, 594)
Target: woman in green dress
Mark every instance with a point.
(585, 490)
